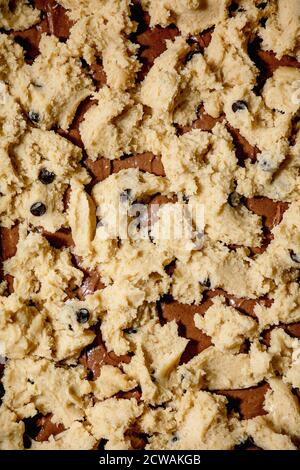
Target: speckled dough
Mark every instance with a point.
(59, 126)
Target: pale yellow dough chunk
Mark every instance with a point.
(22, 170)
(110, 419)
(75, 438)
(11, 58)
(52, 87)
(18, 16)
(40, 272)
(226, 371)
(281, 33)
(101, 29)
(12, 122)
(275, 430)
(226, 326)
(11, 430)
(33, 386)
(111, 381)
(24, 330)
(279, 90)
(110, 128)
(285, 419)
(191, 16)
(265, 437)
(157, 353)
(47, 325)
(201, 423)
(82, 218)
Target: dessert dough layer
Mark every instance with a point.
(48, 323)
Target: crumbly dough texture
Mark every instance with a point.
(47, 324)
(18, 16)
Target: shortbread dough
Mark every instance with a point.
(85, 336)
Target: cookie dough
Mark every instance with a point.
(46, 388)
(52, 87)
(227, 328)
(100, 31)
(18, 15)
(85, 334)
(68, 439)
(191, 16)
(11, 434)
(281, 31)
(36, 174)
(110, 128)
(110, 419)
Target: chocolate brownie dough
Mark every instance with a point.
(153, 342)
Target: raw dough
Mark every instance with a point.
(80, 290)
(18, 15)
(101, 29)
(11, 434)
(227, 328)
(191, 16)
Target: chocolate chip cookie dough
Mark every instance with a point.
(149, 342)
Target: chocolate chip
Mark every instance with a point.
(206, 283)
(233, 7)
(46, 177)
(30, 381)
(2, 391)
(12, 5)
(263, 22)
(84, 63)
(199, 236)
(125, 195)
(130, 331)
(22, 42)
(34, 117)
(262, 5)
(294, 256)
(151, 238)
(185, 198)
(82, 315)
(70, 327)
(190, 55)
(89, 375)
(191, 40)
(37, 209)
(239, 106)
(265, 164)
(234, 199)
